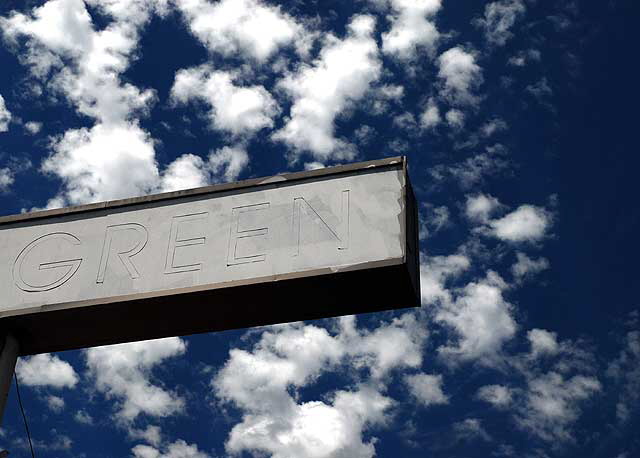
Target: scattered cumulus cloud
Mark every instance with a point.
(253, 28)
(436, 272)
(523, 58)
(432, 220)
(191, 171)
(46, 370)
(7, 178)
(235, 109)
(124, 372)
(480, 207)
(412, 28)
(470, 429)
(83, 417)
(55, 403)
(455, 118)
(33, 127)
(526, 267)
(624, 373)
(481, 321)
(426, 388)
(498, 396)
(499, 18)
(177, 449)
(430, 117)
(262, 382)
(104, 162)
(321, 91)
(460, 75)
(5, 116)
(553, 404)
(542, 342)
(527, 223)
(473, 171)
(492, 127)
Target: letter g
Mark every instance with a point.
(65, 268)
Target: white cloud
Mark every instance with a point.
(493, 126)
(336, 80)
(480, 207)
(624, 371)
(432, 220)
(524, 57)
(542, 342)
(250, 27)
(455, 118)
(33, 127)
(460, 74)
(55, 403)
(430, 117)
(499, 18)
(313, 165)
(264, 382)
(382, 97)
(46, 370)
(63, 29)
(314, 429)
(103, 163)
(191, 171)
(553, 404)
(395, 345)
(236, 109)
(525, 267)
(405, 121)
(481, 319)
(411, 28)
(434, 274)
(427, 388)
(527, 223)
(114, 158)
(83, 417)
(473, 170)
(5, 115)
(498, 396)
(123, 372)
(227, 163)
(470, 429)
(7, 178)
(151, 434)
(177, 449)
(540, 90)
(186, 172)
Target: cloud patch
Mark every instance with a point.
(5, 116)
(46, 370)
(235, 109)
(412, 28)
(321, 91)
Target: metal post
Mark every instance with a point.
(8, 358)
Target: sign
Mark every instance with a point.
(305, 245)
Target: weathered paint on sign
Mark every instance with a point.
(128, 252)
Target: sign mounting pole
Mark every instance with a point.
(8, 358)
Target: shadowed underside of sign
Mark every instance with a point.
(294, 247)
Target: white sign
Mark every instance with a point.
(233, 236)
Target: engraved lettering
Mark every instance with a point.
(64, 269)
(125, 240)
(177, 241)
(245, 242)
(341, 232)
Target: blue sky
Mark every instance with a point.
(517, 120)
